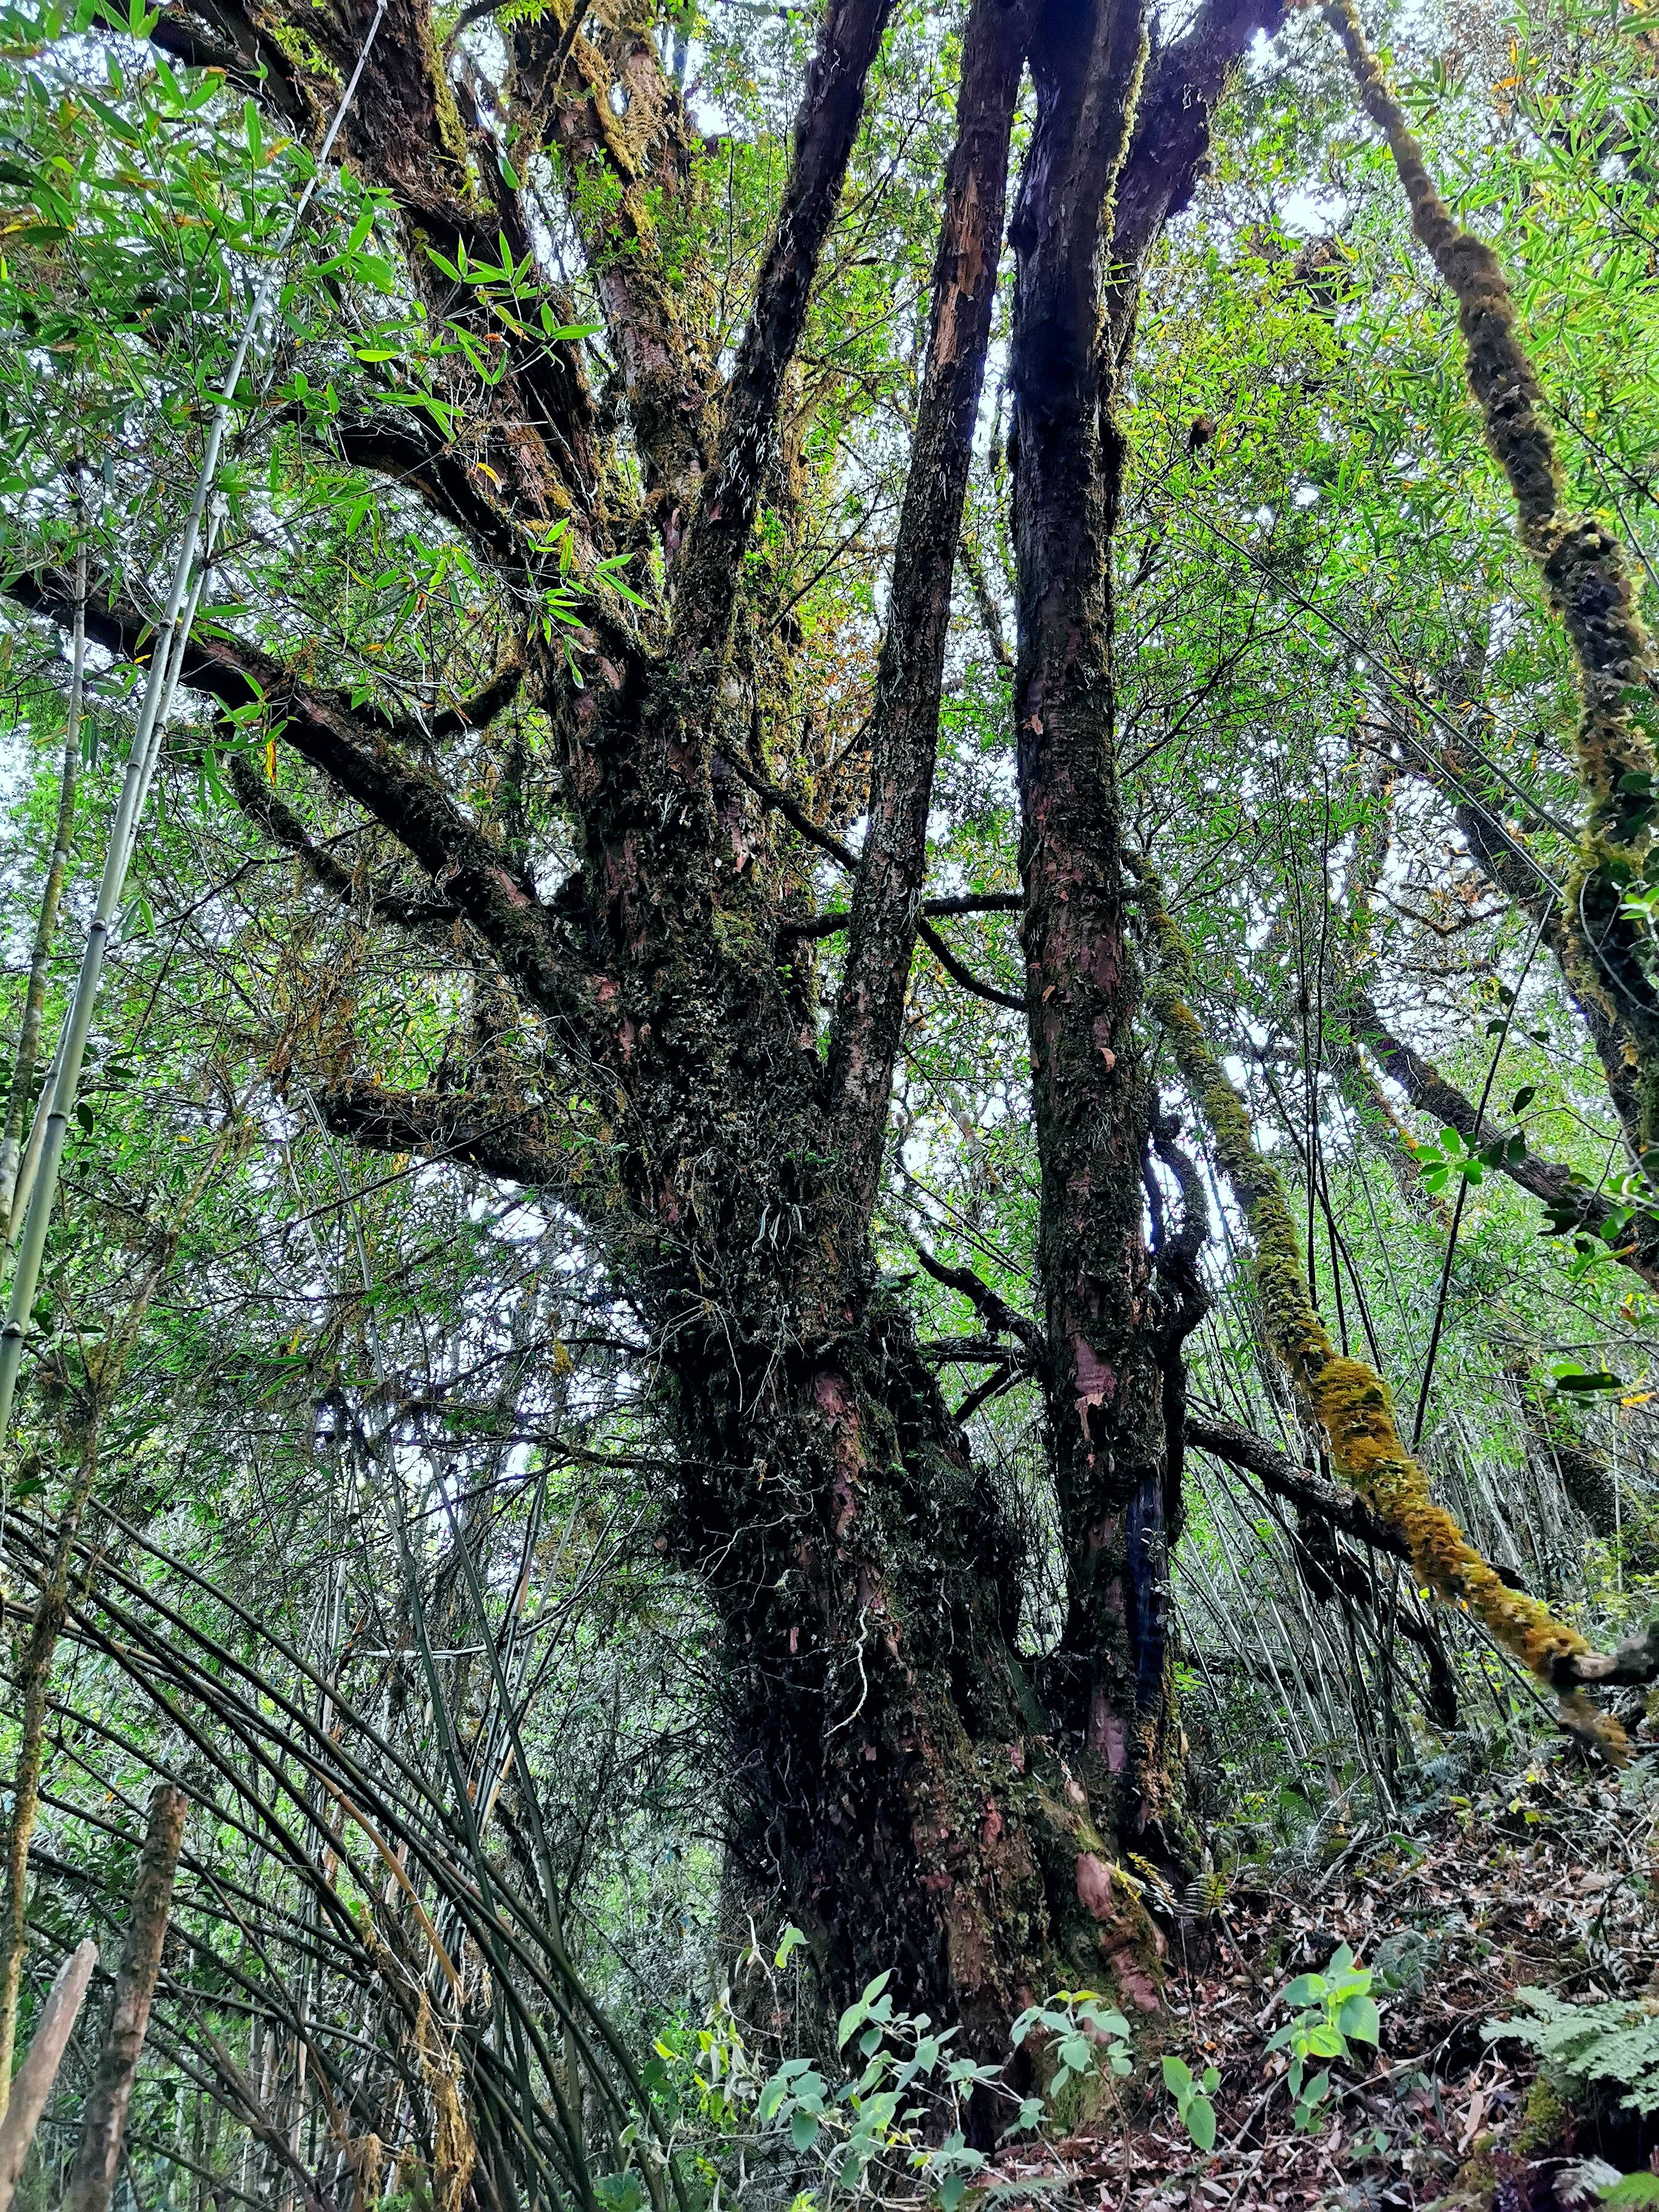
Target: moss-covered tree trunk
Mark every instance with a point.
(918, 1793)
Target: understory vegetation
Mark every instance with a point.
(835, 1332)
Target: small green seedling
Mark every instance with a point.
(1332, 2010)
(1193, 2100)
(1083, 2025)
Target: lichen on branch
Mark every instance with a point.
(1351, 1402)
(1585, 575)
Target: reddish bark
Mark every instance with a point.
(1096, 141)
(1092, 1098)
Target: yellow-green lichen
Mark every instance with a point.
(1348, 1399)
(1584, 571)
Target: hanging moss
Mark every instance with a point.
(1584, 572)
(1349, 1400)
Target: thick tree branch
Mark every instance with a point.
(1429, 1091)
(241, 44)
(437, 474)
(534, 430)
(830, 925)
(270, 814)
(1585, 574)
(478, 712)
(1091, 1105)
(826, 125)
(1300, 1487)
(962, 974)
(869, 1012)
(1458, 774)
(1323, 1510)
(1171, 140)
(968, 1352)
(985, 1302)
(793, 812)
(511, 1142)
(659, 335)
(360, 758)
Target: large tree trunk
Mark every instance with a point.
(922, 1795)
(1093, 1105)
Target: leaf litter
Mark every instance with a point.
(1547, 1878)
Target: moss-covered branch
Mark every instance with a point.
(1348, 1399)
(1584, 572)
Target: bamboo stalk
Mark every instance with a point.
(51, 1609)
(52, 895)
(105, 2118)
(35, 2077)
(1348, 1398)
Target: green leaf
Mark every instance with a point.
(1358, 2019)
(567, 333)
(803, 2128)
(1177, 2076)
(1634, 2188)
(1199, 2116)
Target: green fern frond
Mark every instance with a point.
(1617, 2040)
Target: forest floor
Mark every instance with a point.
(1548, 1877)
